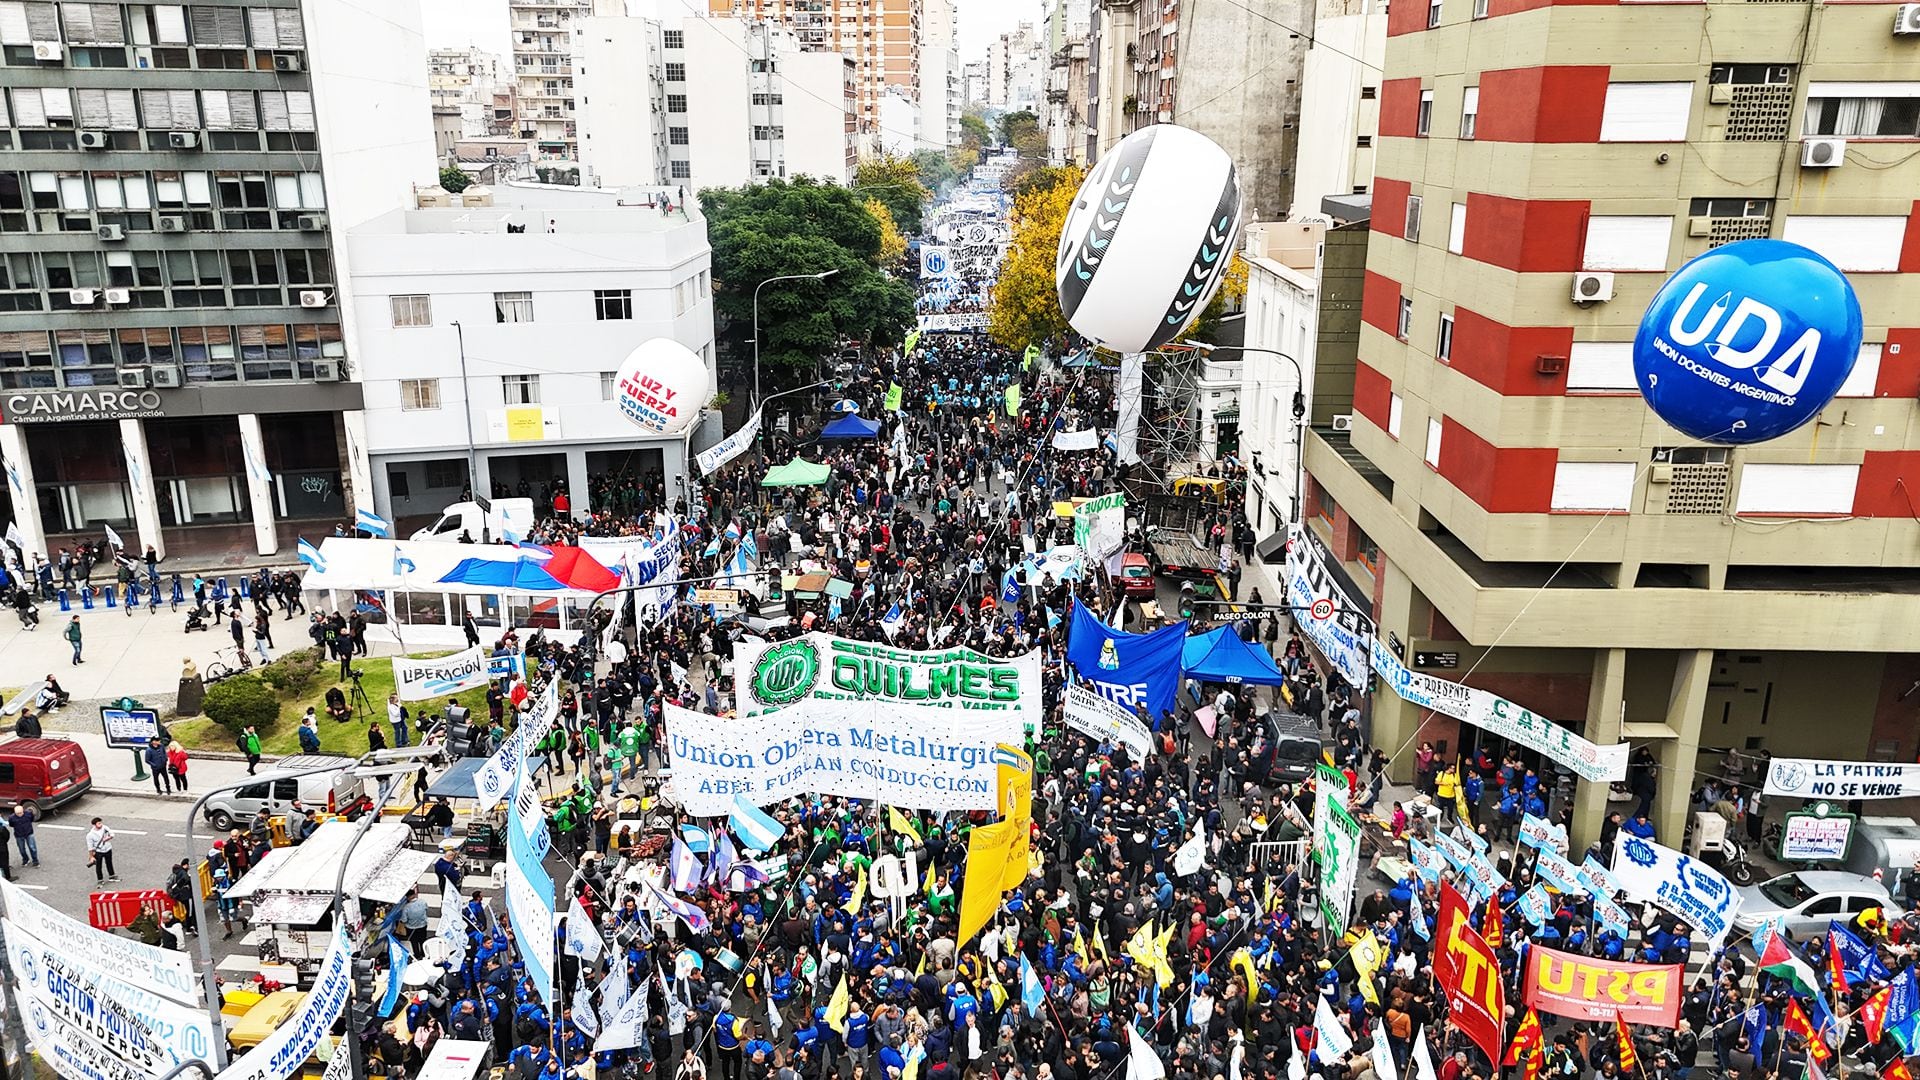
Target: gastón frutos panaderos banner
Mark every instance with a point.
(822, 667)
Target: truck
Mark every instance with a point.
(484, 521)
(1173, 529)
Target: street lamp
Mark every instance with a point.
(821, 276)
(1299, 410)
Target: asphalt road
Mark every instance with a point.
(149, 837)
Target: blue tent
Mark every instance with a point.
(851, 426)
(522, 575)
(1220, 656)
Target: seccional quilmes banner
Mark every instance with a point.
(816, 666)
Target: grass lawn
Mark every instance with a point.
(201, 733)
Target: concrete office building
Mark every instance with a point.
(1505, 503)
(1066, 117)
(503, 345)
(174, 362)
(882, 38)
(940, 79)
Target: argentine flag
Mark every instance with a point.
(369, 522)
(311, 555)
(757, 830)
(401, 564)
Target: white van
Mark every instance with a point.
(457, 1059)
(276, 790)
(483, 521)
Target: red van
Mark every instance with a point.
(48, 773)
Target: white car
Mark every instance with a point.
(1807, 900)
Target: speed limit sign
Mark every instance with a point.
(1322, 608)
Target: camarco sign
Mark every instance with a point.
(81, 405)
(821, 666)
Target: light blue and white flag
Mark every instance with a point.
(833, 608)
(311, 555)
(690, 914)
(891, 624)
(113, 538)
(583, 935)
(758, 830)
(401, 564)
(367, 521)
(720, 863)
(684, 868)
(699, 841)
(1032, 994)
(1416, 912)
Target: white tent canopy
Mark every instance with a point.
(352, 564)
(382, 869)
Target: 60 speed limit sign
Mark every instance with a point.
(1322, 608)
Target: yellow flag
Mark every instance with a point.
(996, 993)
(1163, 970)
(1266, 906)
(899, 823)
(837, 1007)
(987, 851)
(915, 1056)
(1079, 947)
(921, 968)
(859, 894)
(1140, 945)
(1243, 963)
(1460, 804)
(1366, 964)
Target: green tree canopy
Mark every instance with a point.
(896, 182)
(975, 132)
(455, 179)
(1014, 122)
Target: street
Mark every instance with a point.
(149, 837)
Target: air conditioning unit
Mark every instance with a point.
(1343, 422)
(1823, 153)
(311, 223)
(120, 296)
(1720, 93)
(111, 232)
(313, 298)
(47, 50)
(1592, 287)
(1906, 19)
(326, 371)
(183, 140)
(172, 223)
(165, 377)
(286, 62)
(93, 140)
(1549, 364)
(81, 297)
(1699, 226)
(1661, 473)
(133, 378)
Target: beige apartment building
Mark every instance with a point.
(882, 37)
(1498, 494)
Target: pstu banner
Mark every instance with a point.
(1093, 715)
(1681, 884)
(916, 756)
(1129, 669)
(822, 667)
(417, 680)
(1810, 778)
(1587, 989)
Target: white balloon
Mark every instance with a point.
(662, 385)
(1148, 238)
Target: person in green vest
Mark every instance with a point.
(629, 743)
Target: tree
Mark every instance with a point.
(453, 178)
(801, 226)
(934, 168)
(893, 246)
(1232, 292)
(975, 132)
(1026, 307)
(896, 182)
(961, 159)
(1014, 121)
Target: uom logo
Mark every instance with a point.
(786, 673)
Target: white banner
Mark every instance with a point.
(823, 667)
(730, 447)
(160, 970)
(1100, 528)
(168, 1034)
(1344, 636)
(494, 779)
(1090, 713)
(71, 1051)
(1681, 884)
(1814, 778)
(915, 756)
(953, 322)
(417, 680)
(1084, 439)
(282, 1053)
(629, 1024)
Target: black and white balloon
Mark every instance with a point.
(1148, 238)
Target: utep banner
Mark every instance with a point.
(1129, 669)
(822, 667)
(1092, 714)
(1816, 779)
(920, 757)
(1343, 638)
(1683, 885)
(1587, 989)
(292, 1043)
(730, 447)
(416, 680)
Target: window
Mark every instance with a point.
(166, 110)
(676, 72)
(673, 39)
(1433, 13)
(1593, 485)
(1863, 110)
(1406, 318)
(1424, 123)
(1368, 93)
(1457, 228)
(1628, 243)
(1857, 244)
(1434, 429)
(26, 360)
(1797, 489)
(1646, 112)
(512, 307)
(110, 110)
(520, 389)
(411, 310)
(1443, 342)
(1864, 379)
(676, 103)
(277, 28)
(1363, 141)
(677, 136)
(1479, 9)
(682, 170)
(1600, 367)
(610, 304)
(416, 394)
(607, 386)
(1469, 111)
(1412, 232)
(1396, 409)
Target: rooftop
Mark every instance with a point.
(539, 208)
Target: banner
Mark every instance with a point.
(1683, 885)
(493, 778)
(1129, 669)
(1543, 835)
(1084, 439)
(1344, 636)
(143, 966)
(922, 757)
(282, 1053)
(1584, 988)
(530, 893)
(1813, 778)
(1100, 528)
(1558, 873)
(952, 323)
(114, 1020)
(1093, 715)
(821, 667)
(1469, 971)
(934, 261)
(1339, 853)
(416, 680)
(730, 447)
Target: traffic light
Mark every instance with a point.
(1186, 599)
(365, 983)
(460, 732)
(775, 593)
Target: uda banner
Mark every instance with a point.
(1128, 669)
(1587, 989)
(1093, 715)
(416, 680)
(821, 667)
(1681, 884)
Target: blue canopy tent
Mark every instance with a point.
(1220, 656)
(521, 575)
(851, 426)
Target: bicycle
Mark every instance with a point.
(227, 663)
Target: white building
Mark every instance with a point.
(1339, 103)
(544, 66)
(465, 80)
(900, 122)
(940, 78)
(503, 345)
(1282, 314)
(710, 102)
(974, 84)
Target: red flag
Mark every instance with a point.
(1796, 1022)
(1836, 973)
(1490, 928)
(1873, 1013)
(1896, 1070)
(1527, 1044)
(1629, 1060)
(1453, 910)
(1468, 970)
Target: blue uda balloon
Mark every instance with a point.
(1747, 342)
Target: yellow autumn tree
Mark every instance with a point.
(1026, 308)
(1231, 295)
(893, 246)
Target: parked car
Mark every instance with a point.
(274, 789)
(1136, 577)
(1808, 899)
(48, 773)
(1288, 750)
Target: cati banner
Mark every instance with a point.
(1681, 884)
(1092, 714)
(1817, 779)
(1587, 989)
(821, 667)
(417, 680)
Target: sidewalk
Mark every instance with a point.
(113, 769)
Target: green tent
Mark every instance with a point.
(797, 472)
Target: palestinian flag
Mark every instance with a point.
(1629, 1060)
(1780, 961)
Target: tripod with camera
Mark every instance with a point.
(357, 700)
